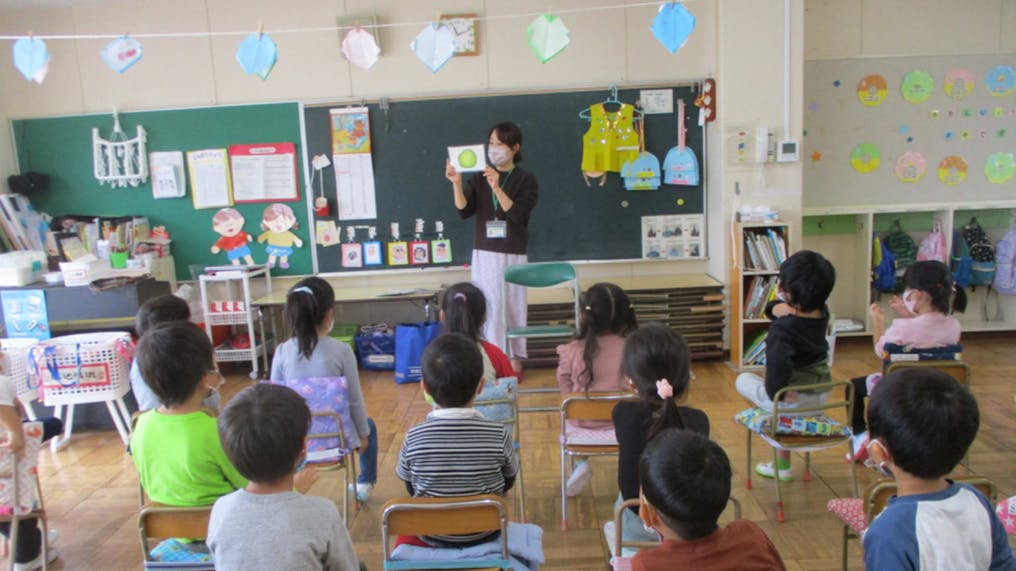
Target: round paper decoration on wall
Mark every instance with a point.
(1000, 80)
(917, 86)
(952, 170)
(910, 166)
(865, 157)
(999, 167)
(958, 83)
(872, 90)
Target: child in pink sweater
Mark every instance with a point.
(592, 361)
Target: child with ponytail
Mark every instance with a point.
(922, 321)
(464, 311)
(656, 362)
(592, 361)
(312, 354)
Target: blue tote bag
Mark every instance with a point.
(410, 341)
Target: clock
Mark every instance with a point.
(463, 26)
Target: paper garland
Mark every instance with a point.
(434, 46)
(547, 36)
(122, 53)
(31, 57)
(360, 48)
(257, 55)
(672, 25)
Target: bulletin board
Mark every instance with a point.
(924, 135)
(62, 148)
(571, 221)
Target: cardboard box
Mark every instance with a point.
(82, 272)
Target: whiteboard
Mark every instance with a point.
(970, 126)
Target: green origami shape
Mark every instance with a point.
(547, 36)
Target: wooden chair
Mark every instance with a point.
(499, 402)
(17, 477)
(618, 562)
(544, 275)
(806, 444)
(158, 521)
(579, 407)
(445, 516)
(858, 513)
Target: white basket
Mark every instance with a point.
(16, 351)
(90, 367)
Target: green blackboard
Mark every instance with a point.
(62, 148)
(571, 221)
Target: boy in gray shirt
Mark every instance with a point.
(267, 526)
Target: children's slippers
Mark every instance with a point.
(765, 470)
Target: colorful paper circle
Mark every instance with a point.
(910, 166)
(917, 86)
(872, 90)
(959, 83)
(1000, 80)
(865, 157)
(999, 167)
(952, 170)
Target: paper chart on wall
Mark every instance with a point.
(264, 172)
(673, 237)
(352, 160)
(209, 178)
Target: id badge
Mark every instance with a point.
(497, 229)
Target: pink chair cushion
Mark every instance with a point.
(850, 511)
(1006, 511)
(580, 436)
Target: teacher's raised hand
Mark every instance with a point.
(451, 174)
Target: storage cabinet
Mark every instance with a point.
(227, 300)
(761, 248)
(845, 234)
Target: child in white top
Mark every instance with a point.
(311, 353)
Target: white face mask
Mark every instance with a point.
(909, 302)
(499, 156)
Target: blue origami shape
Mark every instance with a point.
(122, 53)
(434, 46)
(257, 55)
(31, 57)
(672, 25)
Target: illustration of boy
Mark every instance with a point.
(229, 223)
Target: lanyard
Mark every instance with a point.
(493, 195)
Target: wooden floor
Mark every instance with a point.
(91, 486)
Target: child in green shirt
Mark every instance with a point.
(176, 447)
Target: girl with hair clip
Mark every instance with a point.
(656, 363)
(592, 361)
(464, 311)
(312, 354)
(922, 321)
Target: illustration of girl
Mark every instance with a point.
(277, 221)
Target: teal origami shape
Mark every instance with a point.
(122, 53)
(672, 25)
(31, 57)
(257, 55)
(434, 46)
(547, 36)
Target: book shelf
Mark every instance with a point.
(761, 248)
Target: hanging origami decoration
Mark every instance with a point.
(434, 46)
(360, 48)
(119, 161)
(672, 25)
(257, 54)
(31, 57)
(547, 36)
(122, 53)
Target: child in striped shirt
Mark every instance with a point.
(456, 451)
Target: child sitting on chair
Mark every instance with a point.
(28, 552)
(685, 480)
(267, 525)
(176, 447)
(152, 313)
(796, 349)
(456, 451)
(921, 422)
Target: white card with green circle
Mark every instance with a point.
(468, 158)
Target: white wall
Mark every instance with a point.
(739, 42)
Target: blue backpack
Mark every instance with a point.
(982, 254)
(883, 274)
(959, 260)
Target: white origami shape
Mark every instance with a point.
(360, 48)
(434, 46)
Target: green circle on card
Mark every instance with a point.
(999, 167)
(467, 158)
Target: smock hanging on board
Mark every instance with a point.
(611, 139)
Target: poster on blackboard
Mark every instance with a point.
(25, 314)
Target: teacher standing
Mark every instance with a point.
(501, 199)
